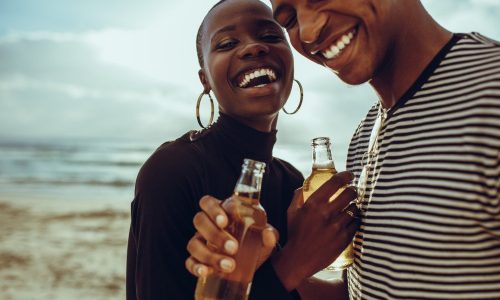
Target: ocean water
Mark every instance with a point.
(71, 170)
(90, 170)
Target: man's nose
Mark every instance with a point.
(310, 25)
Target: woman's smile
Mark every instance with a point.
(257, 78)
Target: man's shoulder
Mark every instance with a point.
(482, 39)
(472, 64)
(475, 45)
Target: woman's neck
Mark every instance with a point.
(414, 48)
(265, 123)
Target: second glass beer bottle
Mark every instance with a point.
(323, 168)
(247, 219)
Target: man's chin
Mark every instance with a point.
(352, 78)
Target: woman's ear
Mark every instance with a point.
(204, 81)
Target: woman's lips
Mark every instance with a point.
(257, 77)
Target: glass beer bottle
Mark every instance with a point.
(323, 168)
(247, 219)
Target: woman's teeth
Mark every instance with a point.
(258, 78)
(340, 44)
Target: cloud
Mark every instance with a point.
(59, 87)
(467, 15)
(80, 16)
(140, 77)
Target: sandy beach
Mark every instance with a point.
(62, 252)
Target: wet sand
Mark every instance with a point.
(71, 253)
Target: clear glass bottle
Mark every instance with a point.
(247, 219)
(323, 168)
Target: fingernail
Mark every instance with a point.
(200, 270)
(230, 246)
(220, 220)
(226, 264)
(270, 236)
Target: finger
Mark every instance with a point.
(203, 254)
(350, 232)
(232, 207)
(198, 236)
(338, 204)
(212, 207)
(352, 227)
(196, 268)
(270, 237)
(347, 235)
(344, 228)
(297, 202)
(215, 236)
(325, 192)
(351, 214)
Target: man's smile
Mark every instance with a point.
(337, 46)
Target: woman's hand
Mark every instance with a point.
(212, 248)
(318, 230)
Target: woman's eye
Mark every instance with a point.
(272, 37)
(225, 45)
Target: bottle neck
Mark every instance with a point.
(249, 184)
(322, 155)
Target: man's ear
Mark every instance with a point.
(204, 81)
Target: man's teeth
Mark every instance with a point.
(339, 45)
(255, 74)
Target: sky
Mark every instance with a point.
(128, 70)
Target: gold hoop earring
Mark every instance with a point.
(300, 101)
(211, 109)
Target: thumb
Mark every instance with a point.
(297, 201)
(270, 237)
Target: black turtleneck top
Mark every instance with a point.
(168, 189)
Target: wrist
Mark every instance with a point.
(286, 271)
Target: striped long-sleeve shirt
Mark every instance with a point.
(431, 211)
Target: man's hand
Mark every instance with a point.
(318, 230)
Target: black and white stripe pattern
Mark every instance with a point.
(431, 224)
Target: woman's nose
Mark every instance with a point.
(254, 49)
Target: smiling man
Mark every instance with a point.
(426, 157)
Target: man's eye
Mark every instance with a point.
(226, 45)
(287, 19)
(290, 22)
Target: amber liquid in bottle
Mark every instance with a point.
(323, 168)
(247, 220)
